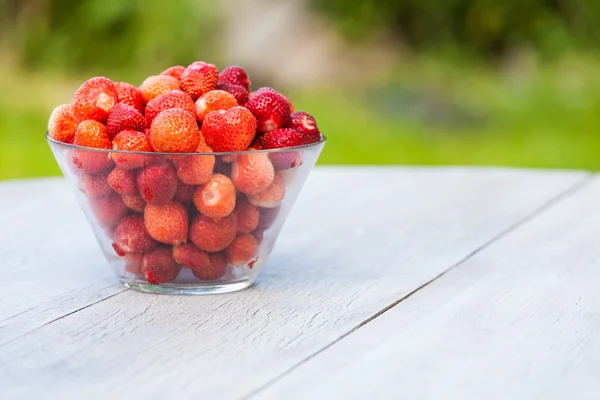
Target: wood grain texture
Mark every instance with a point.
(357, 241)
(519, 320)
(51, 264)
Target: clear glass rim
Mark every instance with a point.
(228, 153)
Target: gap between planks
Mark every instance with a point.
(568, 192)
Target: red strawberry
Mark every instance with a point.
(156, 85)
(174, 71)
(175, 131)
(91, 133)
(136, 203)
(95, 185)
(157, 184)
(282, 138)
(236, 76)
(267, 217)
(191, 257)
(213, 235)
(130, 140)
(218, 263)
(216, 198)
(242, 250)
(247, 215)
(94, 99)
(229, 130)
(199, 78)
(271, 196)
(213, 101)
(167, 101)
(130, 95)
(196, 169)
(62, 125)
(252, 173)
(184, 193)
(90, 161)
(305, 123)
(131, 236)
(215, 269)
(167, 224)
(159, 266)
(123, 182)
(270, 108)
(134, 263)
(123, 117)
(108, 210)
(240, 93)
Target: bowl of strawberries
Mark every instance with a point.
(187, 179)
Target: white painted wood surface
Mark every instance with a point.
(519, 320)
(358, 241)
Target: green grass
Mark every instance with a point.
(428, 114)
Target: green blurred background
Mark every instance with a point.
(436, 82)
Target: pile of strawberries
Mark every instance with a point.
(179, 210)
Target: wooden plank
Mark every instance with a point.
(519, 320)
(358, 240)
(51, 264)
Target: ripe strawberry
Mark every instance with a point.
(174, 71)
(252, 173)
(305, 123)
(218, 263)
(247, 215)
(108, 210)
(136, 203)
(214, 270)
(191, 257)
(282, 138)
(123, 117)
(62, 125)
(156, 85)
(167, 101)
(134, 263)
(270, 108)
(199, 78)
(231, 130)
(240, 93)
(159, 266)
(213, 101)
(168, 223)
(157, 183)
(242, 250)
(213, 235)
(271, 196)
(130, 140)
(92, 134)
(131, 236)
(130, 95)
(268, 216)
(90, 161)
(94, 99)
(175, 131)
(236, 76)
(184, 193)
(95, 185)
(196, 169)
(123, 182)
(256, 144)
(216, 198)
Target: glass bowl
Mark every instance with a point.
(193, 223)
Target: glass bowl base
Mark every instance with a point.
(189, 289)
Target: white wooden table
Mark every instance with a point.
(386, 283)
